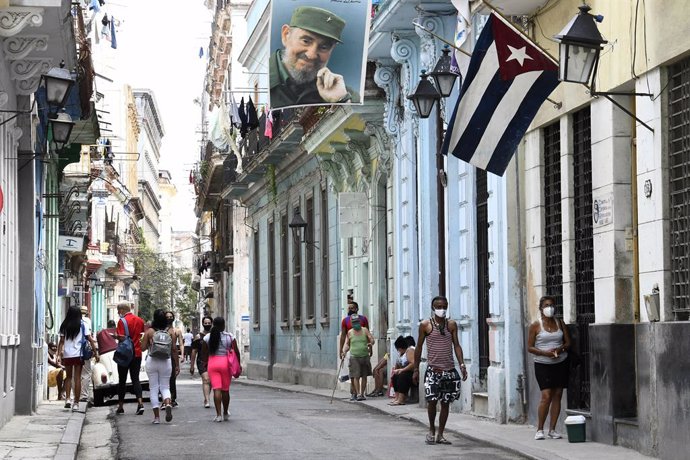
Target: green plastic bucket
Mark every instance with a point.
(575, 426)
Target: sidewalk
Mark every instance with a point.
(52, 433)
(515, 438)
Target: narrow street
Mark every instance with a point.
(267, 423)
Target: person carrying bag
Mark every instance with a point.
(124, 353)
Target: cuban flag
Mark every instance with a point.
(507, 81)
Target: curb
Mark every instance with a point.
(531, 455)
(69, 443)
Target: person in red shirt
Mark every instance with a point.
(345, 326)
(136, 330)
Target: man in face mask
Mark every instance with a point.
(441, 379)
(200, 357)
(345, 326)
(360, 343)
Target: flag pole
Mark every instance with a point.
(493, 8)
(442, 39)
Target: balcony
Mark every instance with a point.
(259, 152)
(211, 179)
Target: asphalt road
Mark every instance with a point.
(267, 423)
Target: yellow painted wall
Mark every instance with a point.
(667, 39)
(132, 141)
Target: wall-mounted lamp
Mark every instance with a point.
(298, 227)
(444, 78)
(579, 52)
(58, 83)
(424, 96)
(61, 126)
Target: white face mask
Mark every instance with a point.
(441, 313)
(549, 311)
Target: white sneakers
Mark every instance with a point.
(539, 435)
(554, 434)
(217, 418)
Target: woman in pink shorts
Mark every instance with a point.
(219, 345)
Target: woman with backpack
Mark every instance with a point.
(74, 334)
(220, 345)
(158, 364)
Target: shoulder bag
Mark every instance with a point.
(233, 362)
(86, 350)
(124, 353)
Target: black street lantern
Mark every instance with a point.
(62, 126)
(580, 44)
(58, 83)
(299, 227)
(424, 96)
(442, 75)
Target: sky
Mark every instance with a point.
(158, 48)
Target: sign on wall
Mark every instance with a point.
(352, 207)
(602, 210)
(318, 52)
(71, 243)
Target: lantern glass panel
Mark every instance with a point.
(576, 62)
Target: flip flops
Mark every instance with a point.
(430, 439)
(443, 440)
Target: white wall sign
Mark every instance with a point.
(353, 214)
(71, 243)
(602, 210)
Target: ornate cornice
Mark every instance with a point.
(27, 73)
(133, 119)
(386, 77)
(15, 18)
(4, 98)
(429, 47)
(381, 143)
(404, 51)
(20, 46)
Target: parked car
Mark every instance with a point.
(105, 378)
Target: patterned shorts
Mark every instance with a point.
(435, 391)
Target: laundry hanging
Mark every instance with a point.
(252, 116)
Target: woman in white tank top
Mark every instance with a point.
(549, 341)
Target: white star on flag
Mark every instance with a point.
(518, 54)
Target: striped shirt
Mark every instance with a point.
(440, 348)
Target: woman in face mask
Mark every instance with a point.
(549, 341)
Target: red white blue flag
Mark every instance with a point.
(507, 81)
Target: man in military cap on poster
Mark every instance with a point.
(298, 73)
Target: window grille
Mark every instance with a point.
(553, 235)
(296, 275)
(272, 267)
(482, 272)
(284, 274)
(325, 279)
(679, 186)
(311, 262)
(584, 250)
(257, 285)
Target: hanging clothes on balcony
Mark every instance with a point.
(252, 116)
(235, 119)
(220, 128)
(268, 132)
(244, 126)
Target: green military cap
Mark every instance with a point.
(319, 21)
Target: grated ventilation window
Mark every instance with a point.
(679, 186)
(553, 235)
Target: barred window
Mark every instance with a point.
(257, 285)
(553, 235)
(679, 186)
